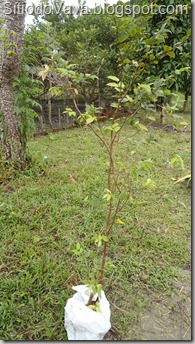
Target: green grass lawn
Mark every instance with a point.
(57, 203)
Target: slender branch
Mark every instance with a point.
(90, 299)
(103, 263)
(100, 281)
(114, 216)
(100, 138)
(90, 125)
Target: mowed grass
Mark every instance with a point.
(57, 203)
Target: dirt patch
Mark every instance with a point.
(170, 128)
(164, 319)
(169, 319)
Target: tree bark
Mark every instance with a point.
(162, 115)
(11, 49)
(185, 104)
(50, 108)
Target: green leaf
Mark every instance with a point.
(90, 120)
(93, 307)
(149, 183)
(168, 198)
(146, 87)
(114, 78)
(107, 129)
(62, 71)
(51, 137)
(70, 112)
(114, 105)
(171, 54)
(146, 165)
(108, 198)
(129, 98)
(98, 240)
(133, 32)
(152, 57)
(141, 127)
(151, 118)
(120, 222)
(108, 195)
(179, 159)
(112, 84)
(187, 176)
(183, 204)
(107, 190)
(122, 39)
(116, 127)
(185, 69)
(126, 61)
(167, 92)
(183, 123)
(78, 250)
(167, 48)
(105, 238)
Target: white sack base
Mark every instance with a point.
(83, 323)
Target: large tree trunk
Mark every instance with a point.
(11, 48)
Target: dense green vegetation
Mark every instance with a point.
(151, 48)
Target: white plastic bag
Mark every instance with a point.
(83, 323)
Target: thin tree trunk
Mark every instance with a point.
(160, 105)
(50, 107)
(59, 119)
(50, 112)
(185, 104)
(162, 115)
(11, 48)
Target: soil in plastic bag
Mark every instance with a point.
(83, 323)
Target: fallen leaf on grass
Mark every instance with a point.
(72, 179)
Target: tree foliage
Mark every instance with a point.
(154, 49)
(176, 63)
